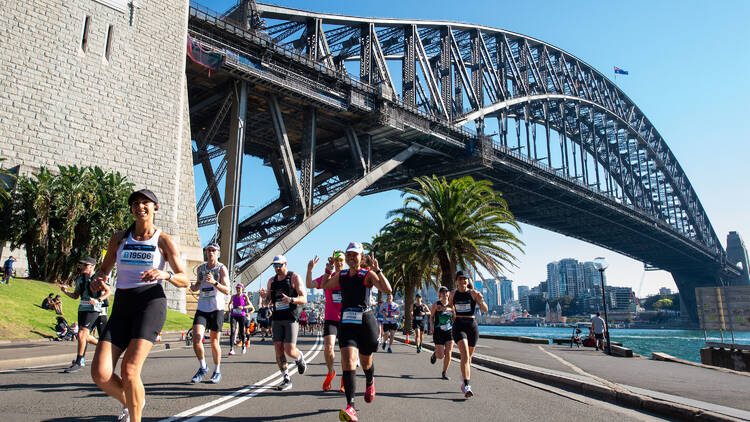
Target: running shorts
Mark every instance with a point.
(139, 313)
(440, 337)
(417, 325)
(263, 323)
(87, 319)
(303, 323)
(390, 326)
(466, 328)
(213, 320)
(285, 331)
(599, 336)
(362, 336)
(331, 328)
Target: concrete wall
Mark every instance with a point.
(61, 104)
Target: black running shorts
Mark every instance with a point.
(466, 328)
(362, 336)
(213, 320)
(87, 319)
(388, 326)
(440, 337)
(331, 328)
(139, 312)
(417, 325)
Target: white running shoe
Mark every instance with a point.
(244, 350)
(231, 352)
(124, 416)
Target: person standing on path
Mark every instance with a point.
(140, 308)
(332, 314)
(465, 329)
(442, 330)
(597, 324)
(358, 336)
(89, 310)
(213, 284)
(390, 311)
(240, 308)
(287, 294)
(419, 314)
(8, 269)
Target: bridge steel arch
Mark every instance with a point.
(609, 178)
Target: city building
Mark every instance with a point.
(523, 291)
(665, 291)
(506, 290)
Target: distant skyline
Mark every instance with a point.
(687, 65)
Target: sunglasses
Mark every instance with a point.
(277, 265)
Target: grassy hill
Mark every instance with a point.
(23, 316)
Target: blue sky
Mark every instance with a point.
(688, 64)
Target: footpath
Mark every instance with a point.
(675, 390)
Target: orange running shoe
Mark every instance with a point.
(341, 390)
(327, 382)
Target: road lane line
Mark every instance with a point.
(265, 383)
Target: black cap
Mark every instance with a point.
(443, 289)
(461, 274)
(144, 193)
(88, 260)
(418, 295)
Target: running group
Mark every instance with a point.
(141, 253)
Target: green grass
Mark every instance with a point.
(23, 316)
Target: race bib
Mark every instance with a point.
(236, 311)
(419, 318)
(446, 327)
(352, 316)
(463, 307)
(336, 296)
(280, 305)
(208, 292)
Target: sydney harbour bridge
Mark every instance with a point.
(340, 106)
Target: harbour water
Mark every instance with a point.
(683, 344)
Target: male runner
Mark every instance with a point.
(264, 317)
(213, 283)
(419, 314)
(390, 311)
(89, 310)
(287, 294)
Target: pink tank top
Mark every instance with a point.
(237, 303)
(333, 302)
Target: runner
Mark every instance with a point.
(390, 313)
(287, 295)
(303, 321)
(264, 317)
(419, 314)
(379, 308)
(465, 329)
(358, 336)
(213, 285)
(332, 315)
(241, 307)
(442, 326)
(89, 311)
(141, 253)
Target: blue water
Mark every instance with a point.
(684, 344)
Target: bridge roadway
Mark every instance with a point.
(407, 386)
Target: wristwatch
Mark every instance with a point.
(170, 275)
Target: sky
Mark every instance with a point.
(687, 62)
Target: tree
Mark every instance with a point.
(5, 183)
(461, 223)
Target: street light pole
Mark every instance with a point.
(601, 264)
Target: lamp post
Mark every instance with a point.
(232, 246)
(600, 263)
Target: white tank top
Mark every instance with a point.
(210, 298)
(134, 257)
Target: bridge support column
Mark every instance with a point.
(686, 283)
(229, 220)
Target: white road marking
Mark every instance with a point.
(239, 395)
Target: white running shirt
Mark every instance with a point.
(134, 257)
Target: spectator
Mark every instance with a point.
(47, 302)
(57, 305)
(597, 324)
(8, 269)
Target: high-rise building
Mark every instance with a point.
(523, 291)
(571, 277)
(590, 275)
(553, 280)
(665, 291)
(506, 290)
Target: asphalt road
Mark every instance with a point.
(408, 388)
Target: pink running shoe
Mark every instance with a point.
(348, 414)
(370, 393)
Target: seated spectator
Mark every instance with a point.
(57, 305)
(63, 330)
(47, 302)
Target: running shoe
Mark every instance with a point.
(433, 359)
(124, 416)
(329, 379)
(301, 364)
(244, 350)
(286, 384)
(370, 393)
(231, 352)
(466, 389)
(389, 349)
(216, 377)
(383, 345)
(74, 368)
(445, 377)
(83, 361)
(348, 414)
(199, 375)
(341, 389)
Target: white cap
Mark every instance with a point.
(355, 247)
(279, 259)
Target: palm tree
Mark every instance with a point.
(5, 178)
(461, 223)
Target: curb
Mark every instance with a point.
(591, 389)
(57, 359)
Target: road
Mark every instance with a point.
(408, 388)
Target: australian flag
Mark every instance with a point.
(619, 71)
